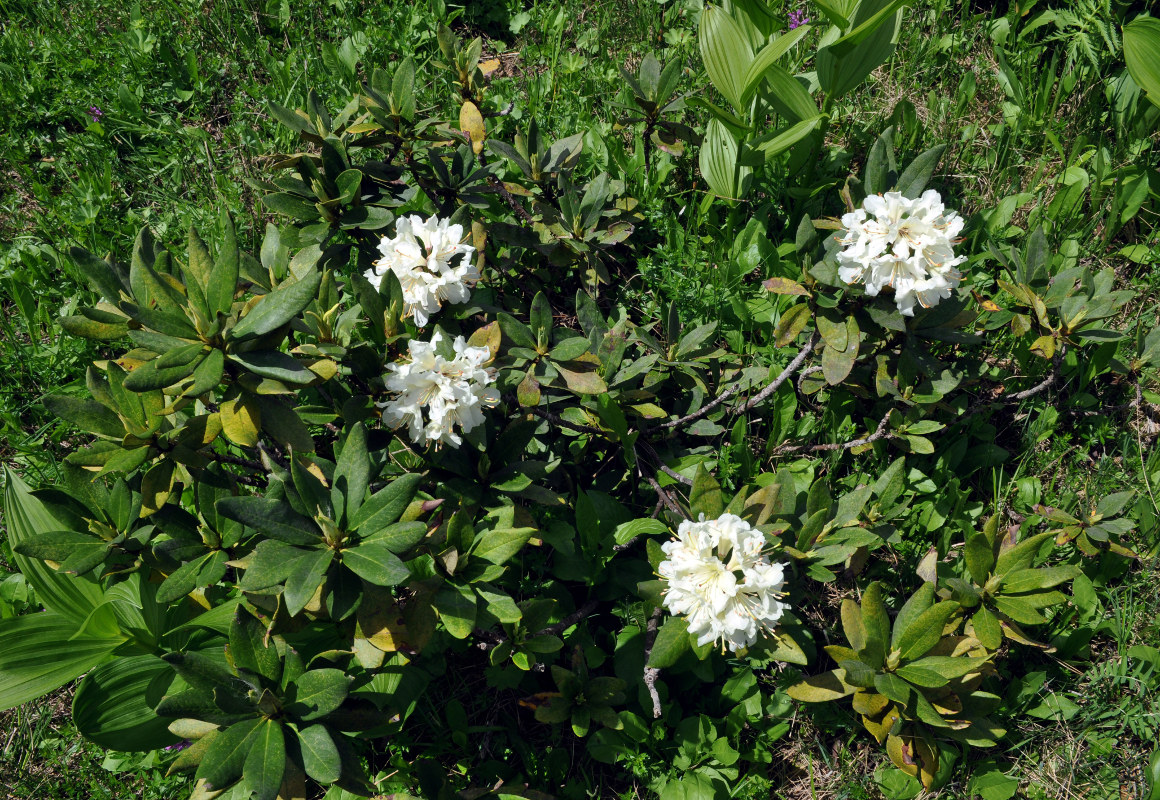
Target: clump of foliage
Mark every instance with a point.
(255, 557)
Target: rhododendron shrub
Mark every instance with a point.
(425, 467)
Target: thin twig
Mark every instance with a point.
(1043, 385)
(491, 639)
(703, 410)
(665, 497)
(521, 212)
(652, 673)
(1038, 388)
(790, 369)
(556, 419)
(226, 458)
(879, 433)
(568, 621)
(651, 452)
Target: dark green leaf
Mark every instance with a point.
(249, 648)
(917, 174)
(88, 415)
(275, 365)
(317, 692)
(223, 279)
(386, 506)
(671, 643)
(705, 496)
(352, 474)
(270, 517)
(500, 545)
(263, 767)
(918, 602)
(226, 756)
(305, 578)
(375, 563)
(278, 307)
(399, 537)
(319, 755)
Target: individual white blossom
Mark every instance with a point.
(421, 255)
(453, 393)
(720, 581)
(903, 243)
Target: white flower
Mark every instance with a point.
(453, 392)
(720, 581)
(903, 243)
(420, 255)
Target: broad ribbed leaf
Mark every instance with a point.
(767, 57)
(70, 596)
(841, 69)
(865, 27)
(777, 142)
(720, 163)
(1142, 54)
(112, 706)
(38, 653)
(725, 52)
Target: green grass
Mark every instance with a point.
(182, 86)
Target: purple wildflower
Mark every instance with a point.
(176, 748)
(797, 18)
(95, 113)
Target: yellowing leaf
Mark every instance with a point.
(471, 123)
(241, 421)
(489, 66)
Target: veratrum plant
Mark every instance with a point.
(742, 51)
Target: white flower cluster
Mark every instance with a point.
(453, 392)
(907, 244)
(420, 255)
(720, 581)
